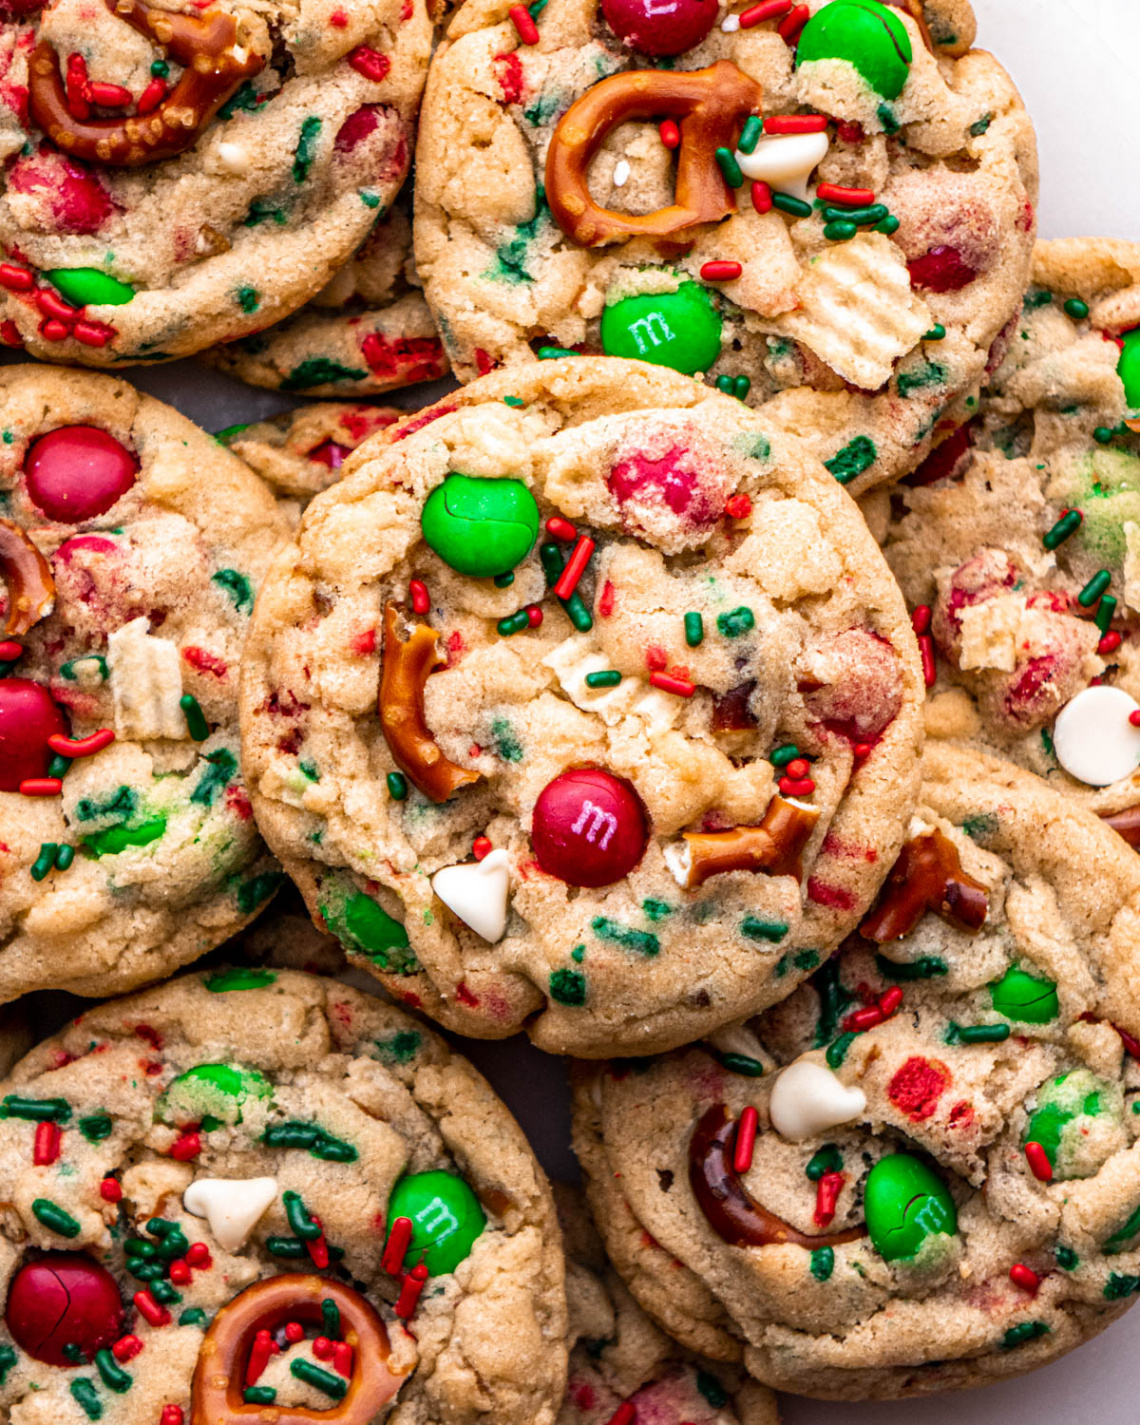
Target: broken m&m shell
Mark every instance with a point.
(61, 1305)
(906, 1203)
(871, 39)
(590, 828)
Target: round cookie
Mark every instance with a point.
(620, 1360)
(178, 179)
(859, 273)
(1021, 536)
(366, 332)
(550, 790)
(132, 547)
(285, 1178)
(944, 1183)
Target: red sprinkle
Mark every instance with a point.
(861, 751)
(798, 767)
(739, 507)
(41, 787)
(852, 197)
(1131, 1045)
(53, 305)
(1024, 1277)
(745, 1140)
(920, 619)
(558, 528)
(198, 1255)
(625, 1414)
(370, 63)
(93, 333)
(294, 1332)
(171, 1415)
(766, 10)
(111, 1190)
(110, 96)
(795, 123)
(259, 1354)
(16, 279)
(152, 96)
(342, 1359)
(481, 847)
(1134, 718)
(761, 196)
(421, 599)
(323, 1348)
(670, 134)
(126, 1348)
(890, 1001)
(186, 1147)
(860, 1020)
(667, 684)
(83, 746)
(720, 271)
(179, 1272)
(533, 615)
(396, 1247)
(797, 786)
(524, 23)
(827, 1192)
(789, 28)
(926, 648)
(52, 330)
(410, 1289)
(10, 652)
(1039, 1164)
(149, 1308)
(318, 1248)
(575, 567)
(46, 1147)
(1109, 642)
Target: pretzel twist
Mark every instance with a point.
(214, 67)
(711, 105)
(27, 576)
(219, 1379)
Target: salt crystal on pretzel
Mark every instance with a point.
(146, 683)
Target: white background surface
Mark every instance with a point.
(1077, 63)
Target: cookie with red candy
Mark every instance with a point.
(581, 703)
(920, 1172)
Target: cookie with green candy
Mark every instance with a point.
(298, 1184)
(1018, 541)
(919, 1172)
(522, 719)
(849, 153)
(133, 546)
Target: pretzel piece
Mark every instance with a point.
(732, 1212)
(775, 846)
(214, 67)
(406, 666)
(220, 1377)
(927, 876)
(711, 104)
(27, 575)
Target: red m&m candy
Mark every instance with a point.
(660, 27)
(28, 717)
(589, 828)
(78, 472)
(63, 1299)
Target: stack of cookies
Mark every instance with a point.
(727, 682)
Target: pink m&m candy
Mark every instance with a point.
(78, 472)
(28, 717)
(590, 827)
(63, 1299)
(660, 27)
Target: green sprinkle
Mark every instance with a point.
(111, 1373)
(750, 134)
(736, 622)
(887, 118)
(8, 1359)
(936, 333)
(64, 857)
(164, 1293)
(1076, 309)
(228, 433)
(249, 299)
(1119, 1286)
(37, 1110)
(837, 1050)
(568, 987)
(58, 766)
(841, 231)
(794, 207)
(220, 767)
(888, 225)
(827, 1159)
(781, 756)
(45, 860)
(603, 678)
(192, 1316)
(1094, 588)
(550, 557)
(85, 1396)
(552, 353)
(290, 1247)
(397, 786)
(926, 967)
(577, 612)
(159, 69)
(578, 954)
(196, 723)
(322, 1380)
(861, 217)
(1104, 613)
(753, 928)
(742, 1064)
(978, 128)
(1023, 1333)
(641, 941)
(822, 1263)
(296, 1134)
(300, 1222)
(236, 585)
(712, 1390)
(977, 1033)
(853, 459)
(320, 371)
(1103, 435)
(1067, 1259)
(330, 1319)
(306, 148)
(50, 1215)
(694, 628)
(513, 623)
(504, 581)
(368, 198)
(239, 979)
(1066, 526)
(741, 385)
(730, 168)
(259, 1395)
(95, 1127)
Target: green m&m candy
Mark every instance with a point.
(1078, 1122)
(480, 527)
(445, 1215)
(680, 329)
(871, 38)
(88, 287)
(906, 1203)
(1022, 996)
(212, 1091)
(1128, 368)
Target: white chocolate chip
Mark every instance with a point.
(808, 1098)
(621, 173)
(478, 893)
(146, 683)
(730, 24)
(232, 1206)
(784, 161)
(233, 157)
(1093, 739)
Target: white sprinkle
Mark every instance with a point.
(730, 24)
(621, 173)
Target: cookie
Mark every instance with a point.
(368, 331)
(173, 179)
(920, 1171)
(132, 547)
(621, 1361)
(542, 780)
(1018, 541)
(851, 227)
(249, 1192)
